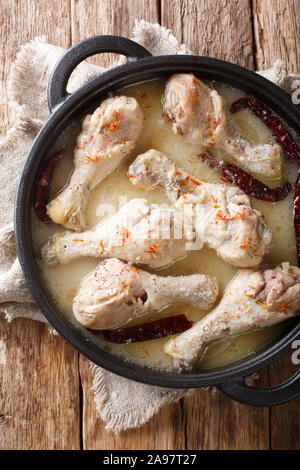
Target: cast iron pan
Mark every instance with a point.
(67, 107)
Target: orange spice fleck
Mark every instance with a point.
(146, 352)
(185, 180)
(135, 269)
(262, 304)
(91, 158)
(237, 215)
(166, 117)
(285, 306)
(217, 123)
(124, 234)
(152, 248)
(125, 285)
(245, 243)
(113, 126)
(195, 98)
(221, 216)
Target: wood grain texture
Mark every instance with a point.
(21, 21)
(39, 398)
(221, 29)
(39, 379)
(277, 36)
(284, 419)
(117, 17)
(213, 420)
(166, 430)
(109, 17)
(39, 382)
(277, 33)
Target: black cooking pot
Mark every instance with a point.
(67, 107)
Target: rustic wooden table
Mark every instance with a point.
(45, 397)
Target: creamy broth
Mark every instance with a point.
(116, 189)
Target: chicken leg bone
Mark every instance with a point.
(253, 299)
(116, 292)
(196, 113)
(106, 137)
(139, 233)
(228, 224)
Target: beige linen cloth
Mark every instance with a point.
(120, 402)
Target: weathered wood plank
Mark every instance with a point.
(21, 21)
(277, 36)
(38, 410)
(223, 30)
(285, 419)
(109, 17)
(39, 398)
(39, 381)
(214, 422)
(220, 29)
(166, 430)
(277, 33)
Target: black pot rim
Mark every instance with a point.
(113, 79)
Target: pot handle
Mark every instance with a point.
(57, 92)
(271, 396)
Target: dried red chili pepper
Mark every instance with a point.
(296, 209)
(153, 330)
(250, 185)
(41, 197)
(281, 135)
